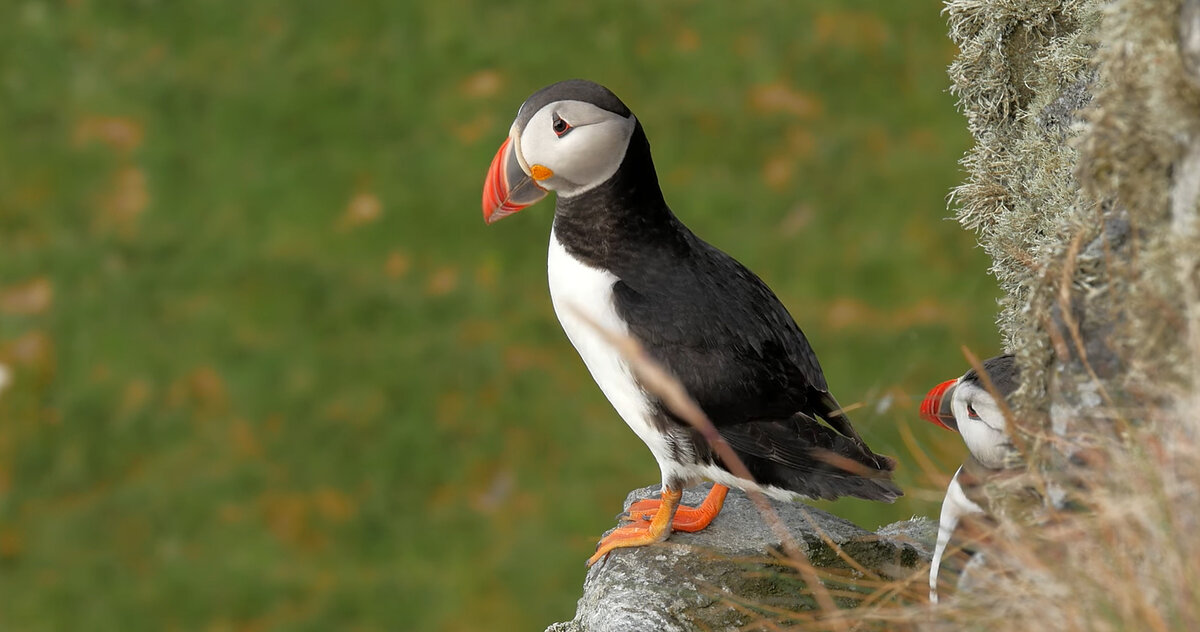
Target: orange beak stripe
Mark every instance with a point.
(932, 409)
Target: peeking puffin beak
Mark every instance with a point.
(508, 188)
(936, 407)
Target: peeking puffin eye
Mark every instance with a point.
(971, 412)
(560, 126)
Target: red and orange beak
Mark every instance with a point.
(508, 188)
(936, 407)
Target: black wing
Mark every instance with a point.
(729, 340)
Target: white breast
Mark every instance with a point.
(954, 507)
(574, 284)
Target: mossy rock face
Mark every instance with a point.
(718, 578)
(1081, 189)
(1023, 80)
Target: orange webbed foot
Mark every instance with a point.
(641, 533)
(688, 519)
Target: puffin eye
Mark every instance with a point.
(560, 126)
(971, 412)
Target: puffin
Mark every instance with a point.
(621, 259)
(965, 405)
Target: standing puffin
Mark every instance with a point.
(621, 257)
(965, 406)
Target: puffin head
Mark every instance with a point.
(967, 399)
(965, 405)
(568, 137)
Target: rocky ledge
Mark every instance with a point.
(718, 578)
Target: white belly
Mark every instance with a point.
(578, 286)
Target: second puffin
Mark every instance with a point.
(619, 255)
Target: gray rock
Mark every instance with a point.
(693, 580)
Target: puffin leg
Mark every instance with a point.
(689, 519)
(641, 534)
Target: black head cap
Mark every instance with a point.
(1003, 372)
(573, 90)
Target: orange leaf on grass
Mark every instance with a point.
(775, 98)
(687, 40)
(443, 281)
(364, 208)
(482, 84)
(334, 505)
(123, 203)
(777, 172)
(32, 350)
(474, 128)
(11, 542)
(27, 299)
(397, 264)
(850, 29)
(119, 133)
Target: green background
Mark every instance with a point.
(270, 370)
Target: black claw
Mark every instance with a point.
(625, 517)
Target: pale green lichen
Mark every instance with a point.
(1022, 76)
(1083, 186)
(1081, 111)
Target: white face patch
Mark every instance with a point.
(984, 433)
(586, 155)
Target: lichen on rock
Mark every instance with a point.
(1081, 111)
(1083, 186)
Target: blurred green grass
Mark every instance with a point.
(271, 371)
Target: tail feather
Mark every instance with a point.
(832, 413)
(804, 456)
